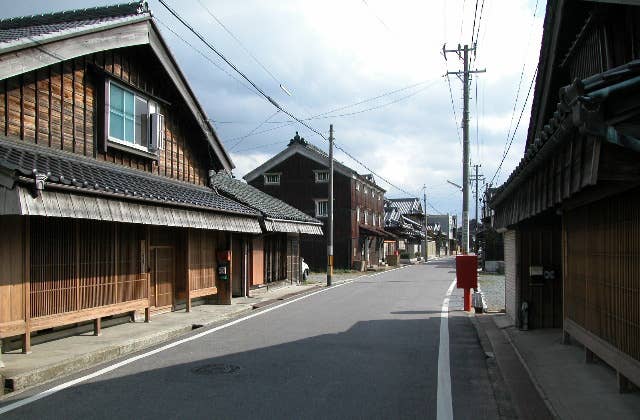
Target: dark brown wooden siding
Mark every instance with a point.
(58, 107)
(602, 279)
(540, 245)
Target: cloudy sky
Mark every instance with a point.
(377, 65)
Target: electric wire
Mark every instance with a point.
(453, 108)
(232, 35)
(473, 28)
(252, 131)
(325, 115)
(376, 15)
(515, 130)
(272, 101)
(340, 108)
(474, 40)
(522, 72)
(205, 56)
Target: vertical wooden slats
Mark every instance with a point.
(202, 259)
(602, 289)
(78, 265)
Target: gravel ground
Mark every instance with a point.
(492, 286)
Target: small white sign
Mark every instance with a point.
(535, 270)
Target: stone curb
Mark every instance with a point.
(487, 346)
(539, 388)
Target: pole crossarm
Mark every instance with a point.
(463, 53)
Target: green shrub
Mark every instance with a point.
(404, 255)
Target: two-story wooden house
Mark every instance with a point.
(299, 176)
(105, 155)
(570, 211)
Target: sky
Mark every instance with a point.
(376, 64)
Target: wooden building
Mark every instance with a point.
(404, 218)
(299, 176)
(274, 255)
(105, 153)
(569, 211)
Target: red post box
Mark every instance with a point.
(467, 276)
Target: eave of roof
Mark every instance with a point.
(269, 206)
(131, 13)
(567, 117)
(22, 161)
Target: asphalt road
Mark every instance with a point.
(365, 349)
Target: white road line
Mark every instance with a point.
(10, 407)
(445, 405)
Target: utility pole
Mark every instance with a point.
(330, 221)
(426, 236)
(463, 53)
(477, 177)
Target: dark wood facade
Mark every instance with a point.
(353, 195)
(576, 188)
(59, 107)
(62, 270)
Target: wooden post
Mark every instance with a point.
(97, 327)
(589, 357)
(1, 364)
(623, 383)
(566, 338)
(147, 248)
(189, 242)
(26, 276)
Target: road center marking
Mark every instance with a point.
(445, 405)
(10, 407)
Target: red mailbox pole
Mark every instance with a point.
(467, 276)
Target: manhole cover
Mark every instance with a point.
(215, 369)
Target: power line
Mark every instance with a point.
(271, 100)
(325, 115)
(261, 146)
(462, 20)
(453, 108)
(237, 70)
(524, 105)
(376, 15)
(473, 28)
(522, 71)
(252, 131)
(205, 56)
(479, 21)
(238, 41)
(340, 108)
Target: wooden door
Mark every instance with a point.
(162, 276)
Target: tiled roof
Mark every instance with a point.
(269, 206)
(407, 205)
(89, 175)
(50, 24)
(593, 89)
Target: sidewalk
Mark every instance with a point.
(54, 359)
(556, 375)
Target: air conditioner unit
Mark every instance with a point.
(156, 141)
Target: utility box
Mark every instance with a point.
(467, 271)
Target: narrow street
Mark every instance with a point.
(363, 349)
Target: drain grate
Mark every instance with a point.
(215, 369)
